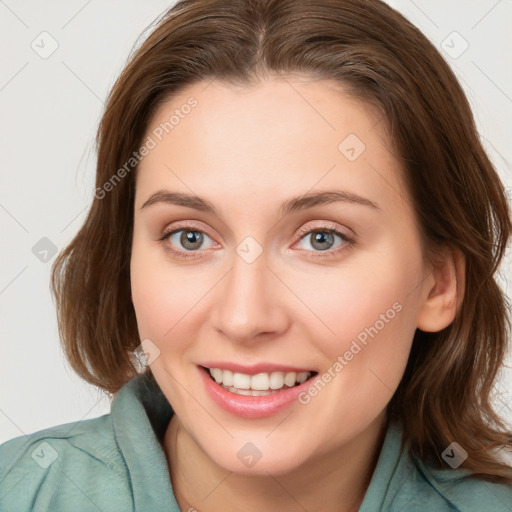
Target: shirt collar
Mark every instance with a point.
(141, 413)
(392, 465)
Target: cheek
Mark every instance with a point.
(374, 320)
(366, 315)
(152, 299)
(359, 302)
(166, 297)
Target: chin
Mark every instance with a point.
(245, 458)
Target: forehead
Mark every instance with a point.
(288, 135)
(305, 106)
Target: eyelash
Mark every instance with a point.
(349, 241)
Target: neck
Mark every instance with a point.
(336, 481)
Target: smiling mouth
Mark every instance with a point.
(261, 384)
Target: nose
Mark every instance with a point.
(250, 302)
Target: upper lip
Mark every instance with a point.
(254, 369)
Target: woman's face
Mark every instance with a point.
(259, 283)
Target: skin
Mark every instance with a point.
(287, 306)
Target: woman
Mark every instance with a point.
(296, 229)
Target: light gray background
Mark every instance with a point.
(49, 110)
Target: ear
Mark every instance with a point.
(444, 291)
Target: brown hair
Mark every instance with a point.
(380, 57)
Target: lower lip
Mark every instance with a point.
(252, 406)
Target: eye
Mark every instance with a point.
(188, 237)
(322, 238)
(191, 240)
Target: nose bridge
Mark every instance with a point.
(247, 303)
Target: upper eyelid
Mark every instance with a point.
(173, 230)
(328, 225)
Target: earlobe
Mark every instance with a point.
(444, 292)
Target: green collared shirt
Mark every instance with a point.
(115, 463)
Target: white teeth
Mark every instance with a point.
(302, 377)
(248, 392)
(289, 379)
(259, 382)
(241, 381)
(216, 373)
(227, 377)
(276, 380)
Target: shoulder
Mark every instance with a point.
(455, 490)
(71, 466)
(402, 482)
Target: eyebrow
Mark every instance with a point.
(308, 200)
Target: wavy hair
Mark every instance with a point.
(380, 57)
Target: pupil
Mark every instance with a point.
(320, 237)
(188, 238)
